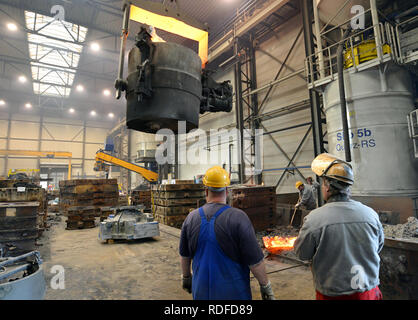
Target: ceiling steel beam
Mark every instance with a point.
(227, 41)
(27, 61)
(92, 25)
(25, 97)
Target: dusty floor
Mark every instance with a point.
(143, 269)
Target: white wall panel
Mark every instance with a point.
(91, 150)
(25, 129)
(3, 143)
(23, 145)
(3, 128)
(294, 89)
(26, 126)
(25, 117)
(22, 163)
(65, 121)
(89, 171)
(75, 148)
(62, 132)
(96, 135)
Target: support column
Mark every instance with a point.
(130, 160)
(306, 7)
(318, 39)
(255, 123)
(6, 159)
(307, 13)
(83, 162)
(239, 113)
(41, 124)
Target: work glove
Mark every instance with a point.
(186, 283)
(267, 292)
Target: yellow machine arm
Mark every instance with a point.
(104, 157)
(42, 154)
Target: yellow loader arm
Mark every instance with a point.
(101, 157)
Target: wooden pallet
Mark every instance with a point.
(173, 211)
(177, 202)
(172, 221)
(178, 194)
(246, 190)
(77, 182)
(109, 202)
(141, 192)
(81, 218)
(177, 187)
(74, 225)
(253, 201)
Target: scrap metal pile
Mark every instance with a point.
(406, 230)
(129, 222)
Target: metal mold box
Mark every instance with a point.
(129, 223)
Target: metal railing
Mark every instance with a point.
(232, 23)
(404, 56)
(322, 65)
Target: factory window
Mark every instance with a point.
(55, 47)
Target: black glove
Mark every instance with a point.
(186, 283)
(267, 292)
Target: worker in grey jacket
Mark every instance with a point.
(307, 198)
(342, 239)
(315, 185)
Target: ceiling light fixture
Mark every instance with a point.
(11, 26)
(93, 113)
(71, 110)
(79, 88)
(22, 79)
(111, 115)
(2, 102)
(28, 105)
(95, 46)
(106, 92)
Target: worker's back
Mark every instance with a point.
(343, 239)
(308, 198)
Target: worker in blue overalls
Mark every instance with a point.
(220, 243)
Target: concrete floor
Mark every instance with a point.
(146, 269)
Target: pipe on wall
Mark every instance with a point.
(343, 101)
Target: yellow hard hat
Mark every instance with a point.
(216, 177)
(298, 184)
(329, 166)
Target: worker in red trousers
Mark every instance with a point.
(342, 239)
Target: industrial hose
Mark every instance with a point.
(340, 65)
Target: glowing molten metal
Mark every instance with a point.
(276, 244)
